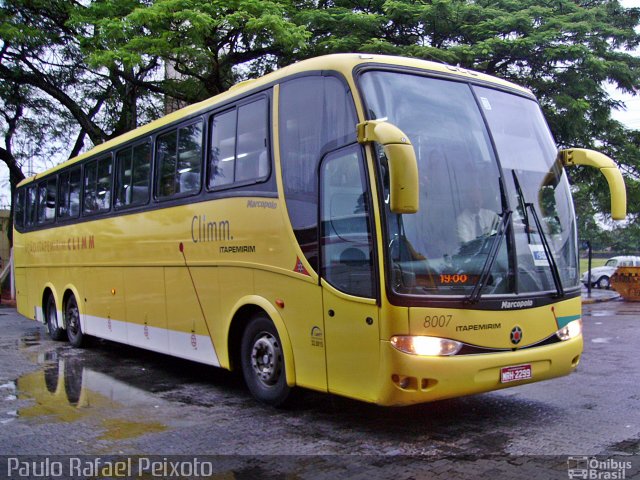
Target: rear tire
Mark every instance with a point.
(262, 362)
(603, 282)
(51, 315)
(72, 320)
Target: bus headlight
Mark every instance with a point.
(570, 330)
(432, 346)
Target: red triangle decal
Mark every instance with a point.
(299, 268)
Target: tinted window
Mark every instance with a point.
(47, 201)
(97, 186)
(179, 156)
(239, 145)
(222, 157)
(317, 114)
(346, 238)
(31, 206)
(251, 153)
(69, 194)
(133, 175)
(18, 208)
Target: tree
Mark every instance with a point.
(565, 51)
(210, 44)
(51, 99)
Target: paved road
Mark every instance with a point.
(113, 400)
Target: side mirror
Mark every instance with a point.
(403, 166)
(591, 158)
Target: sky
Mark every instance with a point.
(630, 116)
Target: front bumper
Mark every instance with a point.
(409, 379)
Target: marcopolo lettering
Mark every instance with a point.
(518, 304)
(262, 204)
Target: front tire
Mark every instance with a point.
(72, 320)
(262, 361)
(53, 326)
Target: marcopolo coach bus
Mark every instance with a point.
(388, 229)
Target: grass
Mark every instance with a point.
(595, 262)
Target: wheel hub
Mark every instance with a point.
(266, 358)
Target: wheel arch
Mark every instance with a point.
(70, 290)
(243, 311)
(48, 291)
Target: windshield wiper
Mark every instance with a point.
(491, 258)
(543, 237)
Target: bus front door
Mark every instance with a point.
(348, 276)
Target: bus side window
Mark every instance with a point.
(222, 157)
(179, 157)
(69, 194)
(141, 177)
(239, 145)
(18, 209)
(316, 114)
(252, 141)
(97, 186)
(133, 175)
(189, 158)
(47, 200)
(31, 206)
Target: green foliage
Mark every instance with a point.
(565, 51)
(210, 44)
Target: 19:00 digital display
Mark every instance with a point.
(457, 278)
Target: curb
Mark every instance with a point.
(609, 298)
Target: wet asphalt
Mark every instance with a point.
(114, 400)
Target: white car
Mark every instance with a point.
(601, 276)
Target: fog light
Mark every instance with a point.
(428, 346)
(570, 330)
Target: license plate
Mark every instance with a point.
(513, 374)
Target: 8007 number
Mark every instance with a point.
(437, 321)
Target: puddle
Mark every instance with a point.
(118, 429)
(65, 390)
(30, 339)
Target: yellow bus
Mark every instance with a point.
(387, 229)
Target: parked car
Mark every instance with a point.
(601, 276)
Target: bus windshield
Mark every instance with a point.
(495, 215)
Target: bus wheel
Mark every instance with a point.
(263, 362)
(72, 317)
(53, 326)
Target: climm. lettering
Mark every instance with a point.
(204, 231)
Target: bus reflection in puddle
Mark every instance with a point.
(65, 390)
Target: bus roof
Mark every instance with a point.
(342, 62)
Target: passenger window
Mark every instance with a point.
(97, 186)
(133, 175)
(309, 126)
(239, 145)
(179, 155)
(47, 201)
(251, 155)
(222, 157)
(346, 239)
(31, 206)
(18, 209)
(69, 194)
